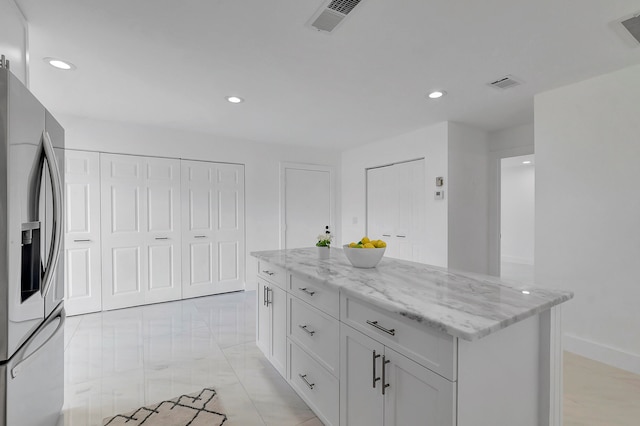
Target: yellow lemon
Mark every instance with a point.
(353, 245)
(365, 240)
(369, 245)
(381, 244)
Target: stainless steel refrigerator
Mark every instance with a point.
(32, 315)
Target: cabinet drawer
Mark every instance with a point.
(272, 273)
(317, 332)
(318, 295)
(427, 346)
(318, 388)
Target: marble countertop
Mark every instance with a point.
(464, 305)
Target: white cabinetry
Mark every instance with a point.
(379, 386)
(83, 292)
(140, 230)
(396, 208)
(213, 228)
(272, 324)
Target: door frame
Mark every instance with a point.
(495, 200)
(284, 165)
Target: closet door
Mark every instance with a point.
(83, 292)
(213, 228)
(124, 223)
(396, 208)
(162, 240)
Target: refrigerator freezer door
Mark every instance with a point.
(33, 380)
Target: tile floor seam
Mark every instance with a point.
(243, 387)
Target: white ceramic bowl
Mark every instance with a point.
(363, 257)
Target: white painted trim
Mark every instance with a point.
(310, 167)
(494, 202)
(550, 396)
(602, 353)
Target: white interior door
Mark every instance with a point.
(124, 223)
(163, 237)
(307, 204)
(83, 293)
(213, 228)
(396, 208)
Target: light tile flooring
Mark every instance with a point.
(120, 360)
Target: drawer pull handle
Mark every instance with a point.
(375, 379)
(310, 293)
(401, 236)
(162, 238)
(269, 273)
(269, 299)
(304, 379)
(381, 328)
(385, 385)
(200, 236)
(386, 235)
(309, 332)
(81, 241)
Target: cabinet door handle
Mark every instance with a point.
(269, 273)
(381, 328)
(199, 236)
(269, 299)
(162, 238)
(386, 235)
(81, 241)
(375, 379)
(401, 236)
(310, 293)
(384, 373)
(309, 332)
(304, 379)
(264, 296)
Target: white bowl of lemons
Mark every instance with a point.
(365, 253)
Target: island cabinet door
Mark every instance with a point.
(361, 399)
(278, 304)
(415, 395)
(263, 332)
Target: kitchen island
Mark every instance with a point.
(410, 344)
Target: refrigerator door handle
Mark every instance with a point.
(27, 360)
(56, 243)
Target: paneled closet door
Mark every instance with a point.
(83, 292)
(124, 223)
(163, 237)
(213, 228)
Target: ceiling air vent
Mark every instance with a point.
(505, 82)
(633, 26)
(329, 16)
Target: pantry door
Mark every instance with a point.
(82, 233)
(124, 275)
(306, 204)
(163, 243)
(213, 228)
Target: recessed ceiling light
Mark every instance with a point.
(234, 99)
(60, 64)
(437, 94)
(526, 292)
(526, 162)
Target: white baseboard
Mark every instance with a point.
(605, 354)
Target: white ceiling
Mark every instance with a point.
(172, 62)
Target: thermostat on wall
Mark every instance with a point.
(438, 195)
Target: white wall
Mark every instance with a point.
(429, 143)
(517, 216)
(14, 40)
(505, 143)
(468, 193)
(262, 173)
(588, 211)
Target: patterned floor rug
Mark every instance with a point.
(196, 409)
